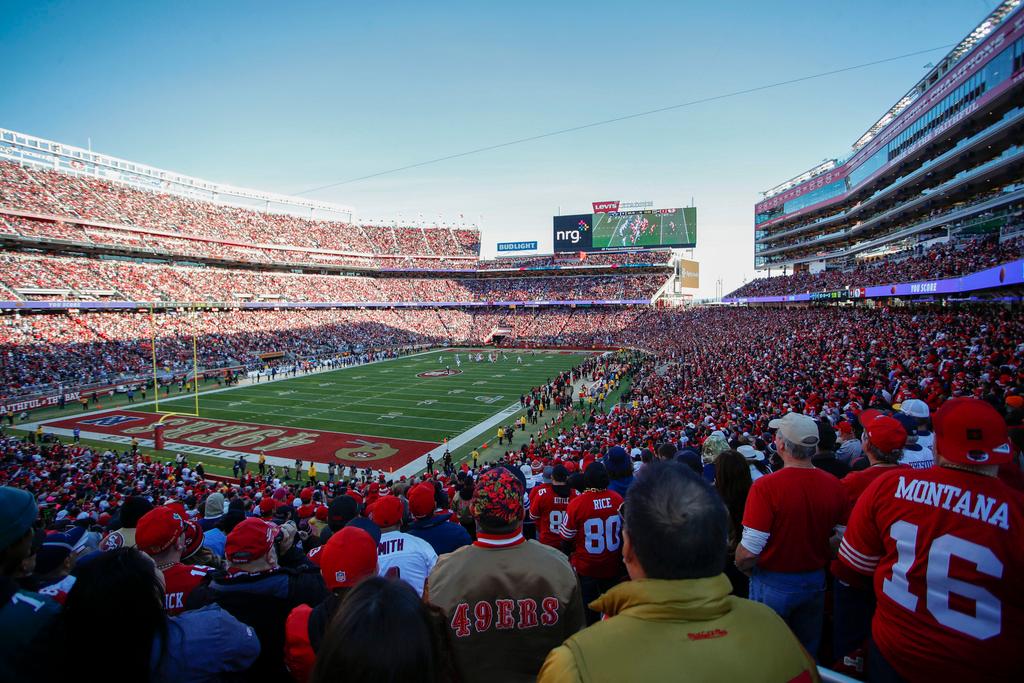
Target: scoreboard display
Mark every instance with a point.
(645, 229)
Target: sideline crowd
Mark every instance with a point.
(776, 489)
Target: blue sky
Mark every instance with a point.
(289, 96)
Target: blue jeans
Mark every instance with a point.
(799, 598)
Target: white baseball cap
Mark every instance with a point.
(797, 428)
(915, 407)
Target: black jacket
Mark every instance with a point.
(263, 601)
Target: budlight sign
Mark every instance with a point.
(517, 246)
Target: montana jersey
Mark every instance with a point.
(548, 510)
(592, 521)
(180, 580)
(943, 547)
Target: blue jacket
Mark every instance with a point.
(620, 486)
(264, 601)
(203, 645)
(443, 535)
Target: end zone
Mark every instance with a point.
(229, 439)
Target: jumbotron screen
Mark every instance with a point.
(646, 229)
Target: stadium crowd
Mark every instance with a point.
(732, 468)
(34, 277)
(148, 243)
(68, 197)
(944, 260)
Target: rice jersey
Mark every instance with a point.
(592, 521)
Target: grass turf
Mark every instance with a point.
(386, 399)
(353, 396)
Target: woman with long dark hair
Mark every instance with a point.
(384, 633)
(114, 628)
(732, 480)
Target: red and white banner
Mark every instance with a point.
(605, 207)
(227, 438)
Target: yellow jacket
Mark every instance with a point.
(687, 630)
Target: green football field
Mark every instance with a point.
(664, 229)
(387, 415)
(389, 398)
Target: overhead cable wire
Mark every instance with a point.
(626, 117)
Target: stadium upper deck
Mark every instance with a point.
(50, 181)
(112, 230)
(948, 152)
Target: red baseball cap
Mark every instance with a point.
(250, 540)
(844, 427)
(193, 538)
(868, 415)
(158, 529)
(387, 511)
(314, 555)
(969, 431)
(885, 433)
(267, 506)
(348, 556)
(421, 500)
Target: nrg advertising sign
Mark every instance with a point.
(517, 246)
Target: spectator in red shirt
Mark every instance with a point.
(161, 535)
(787, 524)
(548, 504)
(942, 548)
(882, 442)
(593, 529)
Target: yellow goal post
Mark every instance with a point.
(191, 311)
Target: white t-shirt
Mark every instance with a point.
(917, 456)
(926, 440)
(406, 557)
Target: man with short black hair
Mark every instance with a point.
(677, 609)
(787, 523)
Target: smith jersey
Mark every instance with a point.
(548, 510)
(592, 520)
(944, 548)
(405, 557)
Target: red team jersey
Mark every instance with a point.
(799, 507)
(181, 580)
(855, 483)
(944, 549)
(592, 520)
(548, 510)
